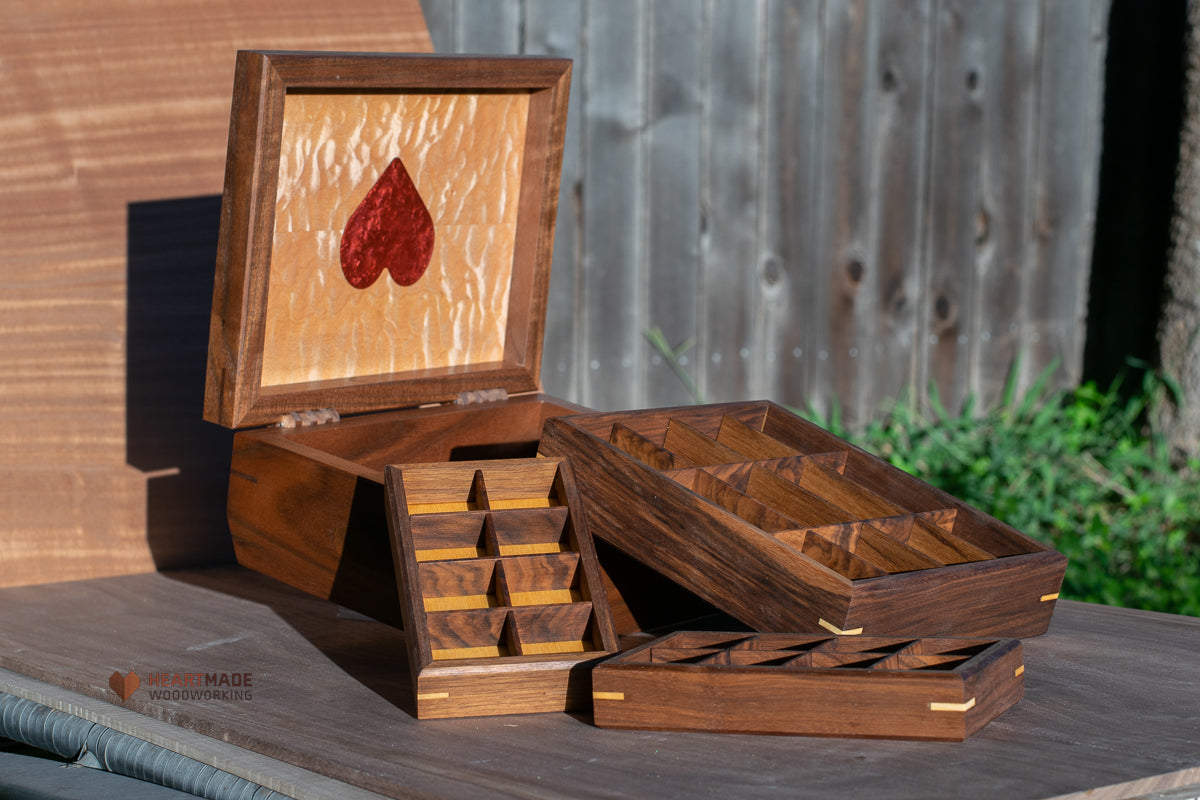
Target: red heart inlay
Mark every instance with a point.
(391, 229)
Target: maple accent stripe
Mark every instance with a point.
(608, 695)
(829, 626)
(433, 696)
(967, 706)
(1047, 597)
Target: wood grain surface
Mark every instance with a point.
(1109, 698)
(115, 124)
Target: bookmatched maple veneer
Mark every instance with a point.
(789, 528)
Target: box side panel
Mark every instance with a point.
(996, 680)
(539, 687)
(311, 526)
(827, 703)
(1002, 597)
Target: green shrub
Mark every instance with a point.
(1078, 470)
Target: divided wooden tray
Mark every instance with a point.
(787, 527)
(862, 686)
(504, 609)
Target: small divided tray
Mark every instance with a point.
(862, 686)
(500, 589)
(787, 527)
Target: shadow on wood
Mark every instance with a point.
(171, 250)
(370, 653)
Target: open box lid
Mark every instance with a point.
(386, 233)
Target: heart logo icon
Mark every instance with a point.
(124, 685)
(391, 229)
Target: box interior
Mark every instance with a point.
(454, 433)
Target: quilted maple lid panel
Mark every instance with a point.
(386, 232)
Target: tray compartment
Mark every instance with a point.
(554, 629)
(778, 522)
(541, 580)
(455, 585)
(696, 446)
(469, 634)
(729, 498)
(645, 450)
(533, 532)
(443, 537)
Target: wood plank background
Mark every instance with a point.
(820, 201)
(113, 131)
(829, 202)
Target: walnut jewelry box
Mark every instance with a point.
(378, 313)
(381, 283)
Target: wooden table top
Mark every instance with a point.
(1112, 696)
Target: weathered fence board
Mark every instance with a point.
(958, 132)
(898, 244)
(794, 77)
(612, 81)
(729, 193)
(674, 126)
(1002, 241)
(1068, 138)
(554, 28)
(833, 202)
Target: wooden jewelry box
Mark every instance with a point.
(789, 528)
(385, 245)
(861, 686)
(504, 608)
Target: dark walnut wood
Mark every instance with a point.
(860, 686)
(789, 528)
(503, 604)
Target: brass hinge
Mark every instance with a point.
(300, 419)
(481, 396)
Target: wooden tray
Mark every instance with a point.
(504, 608)
(861, 686)
(787, 527)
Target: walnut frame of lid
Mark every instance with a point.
(779, 683)
(235, 395)
(787, 527)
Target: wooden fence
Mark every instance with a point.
(825, 202)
